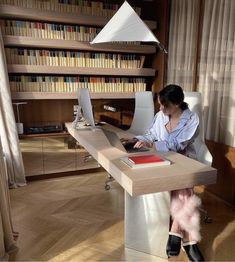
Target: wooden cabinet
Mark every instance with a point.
(32, 153)
(54, 154)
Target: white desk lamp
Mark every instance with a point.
(20, 126)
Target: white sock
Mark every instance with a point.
(193, 242)
(175, 234)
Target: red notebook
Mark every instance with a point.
(146, 161)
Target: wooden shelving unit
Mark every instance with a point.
(72, 95)
(16, 12)
(23, 41)
(58, 106)
(57, 134)
(30, 14)
(38, 69)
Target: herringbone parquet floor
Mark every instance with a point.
(75, 219)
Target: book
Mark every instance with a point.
(150, 160)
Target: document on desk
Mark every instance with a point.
(150, 160)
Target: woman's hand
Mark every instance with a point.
(143, 144)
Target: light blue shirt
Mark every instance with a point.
(180, 139)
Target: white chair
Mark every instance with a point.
(194, 100)
(143, 114)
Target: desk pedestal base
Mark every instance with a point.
(147, 223)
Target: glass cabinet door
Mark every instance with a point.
(58, 155)
(47, 155)
(32, 154)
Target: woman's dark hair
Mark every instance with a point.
(172, 94)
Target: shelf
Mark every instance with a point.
(62, 70)
(72, 95)
(15, 12)
(58, 134)
(23, 41)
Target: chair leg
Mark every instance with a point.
(207, 218)
(108, 182)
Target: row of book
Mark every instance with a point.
(72, 58)
(25, 83)
(46, 30)
(87, 7)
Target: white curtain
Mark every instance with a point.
(214, 61)
(7, 243)
(182, 46)
(217, 70)
(8, 129)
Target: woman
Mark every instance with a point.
(175, 128)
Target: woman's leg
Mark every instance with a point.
(174, 239)
(185, 213)
(175, 228)
(184, 210)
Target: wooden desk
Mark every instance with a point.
(146, 190)
(183, 173)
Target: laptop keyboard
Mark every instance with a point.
(136, 150)
(130, 149)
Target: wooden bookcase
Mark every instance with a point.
(154, 73)
(58, 106)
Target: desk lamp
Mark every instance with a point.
(20, 126)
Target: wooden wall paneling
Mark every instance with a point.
(224, 161)
(46, 111)
(198, 46)
(160, 59)
(127, 106)
(40, 111)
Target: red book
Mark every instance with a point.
(152, 160)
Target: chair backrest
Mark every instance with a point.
(144, 113)
(194, 100)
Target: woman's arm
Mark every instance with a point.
(150, 135)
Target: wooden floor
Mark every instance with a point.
(75, 219)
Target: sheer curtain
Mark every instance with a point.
(8, 130)
(7, 243)
(210, 50)
(182, 48)
(217, 70)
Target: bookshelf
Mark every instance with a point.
(72, 95)
(22, 41)
(48, 14)
(17, 12)
(58, 106)
(31, 69)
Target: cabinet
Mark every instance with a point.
(53, 154)
(44, 38)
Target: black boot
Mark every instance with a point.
(173, 245)
(194, 253)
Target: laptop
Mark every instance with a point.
(115, 141)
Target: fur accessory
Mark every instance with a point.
(184, 210)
